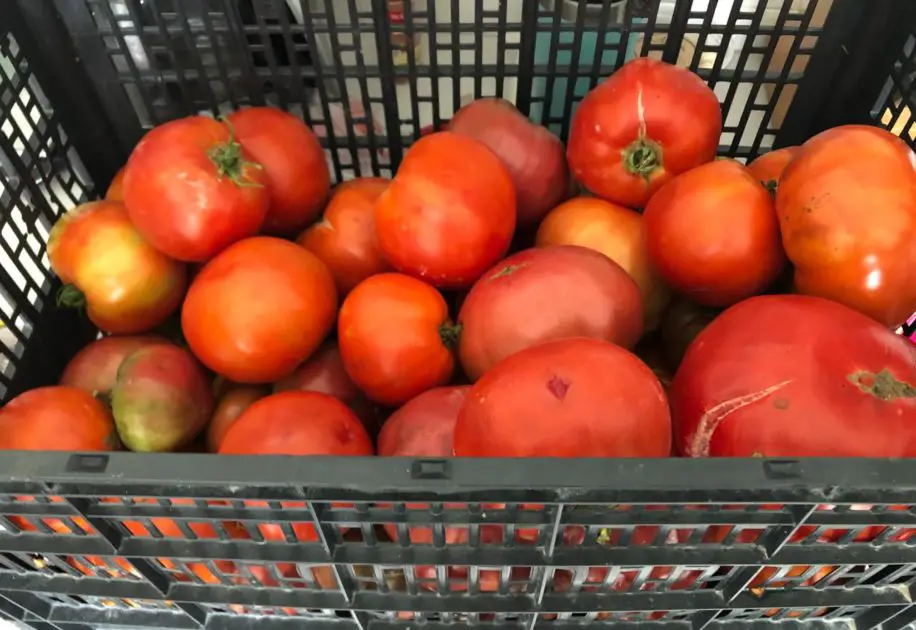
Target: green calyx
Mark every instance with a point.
(770, 186)
(450, 334)
(642, 157)
(70, 297)
(229, 162)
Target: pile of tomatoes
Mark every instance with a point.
(627, 295)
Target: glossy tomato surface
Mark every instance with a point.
(395, 338)
(345, 238)
(543, 294)
(642, 126)
(259, 309)
(192, 190)
(94, 369)
(847, 209)
(534, 157)
(618, 233)
(229, 408)
(297, 172)
(125, 284)
(769, 167)
(297, 423)
(796, 376)
(566, 398)
(57, 418)
(449, 214)
(713, 235)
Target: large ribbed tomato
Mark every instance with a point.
(847, 210)
(259, 309)
(647, 123)
(449, 214)
(796, 376)
(713, 235)
(192, 190)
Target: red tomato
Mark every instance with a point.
(259, 309)
(228, 410)
(533, 156)
(192, 190)
(796, 376)
(345, 238)
(647, 123)
(56, 418)
(616, 232)
(115, 190)
(293, 160)
(713, 235)
(449, 215)
(94, 369)
(297, 423)
(769, 167)
(126, 285)
(395, 338)
(542, 294)
(847, 208)
(324, 372)
(566, 398)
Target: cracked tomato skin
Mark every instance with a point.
(567, 398)
(795, 376)
(847, 212)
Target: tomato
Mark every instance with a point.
(95, 368)
(796, 376)
(345, 238)
(294, 163)
(57, 418)
(769, 167)
(324, 372)
(228, 410)
(259, 309)
(649, 122)
(847, 208)
(532, 155)
(713, 235)
(542, 294)
(115, 190)
(424, 425)
(297, 423)
(616, 232)
(192, 190)
(682, 323)
(126, 285)
(566, 398)
(395, 338)
(449, 214)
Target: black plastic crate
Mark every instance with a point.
(191, 541)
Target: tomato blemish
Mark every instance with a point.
(558, 387)
(883, 385)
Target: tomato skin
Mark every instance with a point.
(533, 156)
(713, 235)
(297, 172)
(95, 367)
(345, 238)
(566, 398)
(784, 376)
(543, 294)
(390, 340)
(259, 309)
(57, 418)
(115, 190)
(847, 209)
(128, 286)
(297, 423)
(228, 410)
(177, 198)
(769, 167)
(450, 212)
(648, 104)
(618, 233)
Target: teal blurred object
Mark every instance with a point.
(588, 48)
